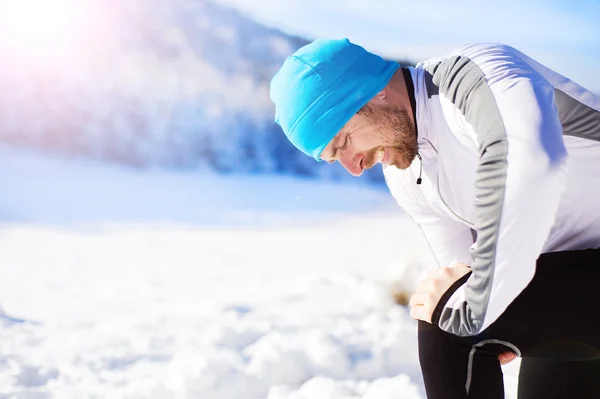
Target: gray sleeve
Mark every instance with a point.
(460, 80)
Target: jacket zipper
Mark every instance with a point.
(437, 183)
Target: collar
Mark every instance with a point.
(410, 88)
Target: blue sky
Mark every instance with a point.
(563, 35)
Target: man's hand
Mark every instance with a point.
(429, 292)
(506, 357)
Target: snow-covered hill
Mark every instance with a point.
(170, 83)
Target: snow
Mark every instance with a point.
(123, 283)
(90, 192)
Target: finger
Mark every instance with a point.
(426, 285)
(440, 273)
(415, 312)
(419, 299)
(510, 357)
(506, 357)
(433, 274)
(421, 313)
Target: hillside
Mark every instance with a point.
(177, 84)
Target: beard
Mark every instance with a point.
(395, 130)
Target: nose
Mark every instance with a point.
(353, 163)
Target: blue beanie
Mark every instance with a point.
(321, 86)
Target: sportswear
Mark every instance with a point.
(510, 158)
(550, 325)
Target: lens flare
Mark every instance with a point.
(39, 27)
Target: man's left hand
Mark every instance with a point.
(429, 292)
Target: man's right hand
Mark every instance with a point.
(506, 357)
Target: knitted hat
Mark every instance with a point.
(321, 86)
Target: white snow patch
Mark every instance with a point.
(146, 285)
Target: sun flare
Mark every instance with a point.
(38, 25)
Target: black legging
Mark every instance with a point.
(554, 324)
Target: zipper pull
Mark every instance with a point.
(419, 180)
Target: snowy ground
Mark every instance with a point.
(127, 284)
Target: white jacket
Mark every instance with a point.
(510, 157)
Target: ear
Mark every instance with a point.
(381, 97)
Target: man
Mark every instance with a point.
(497, 159)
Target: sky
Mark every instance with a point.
(564, 35)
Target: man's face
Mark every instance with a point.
(376, 134)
